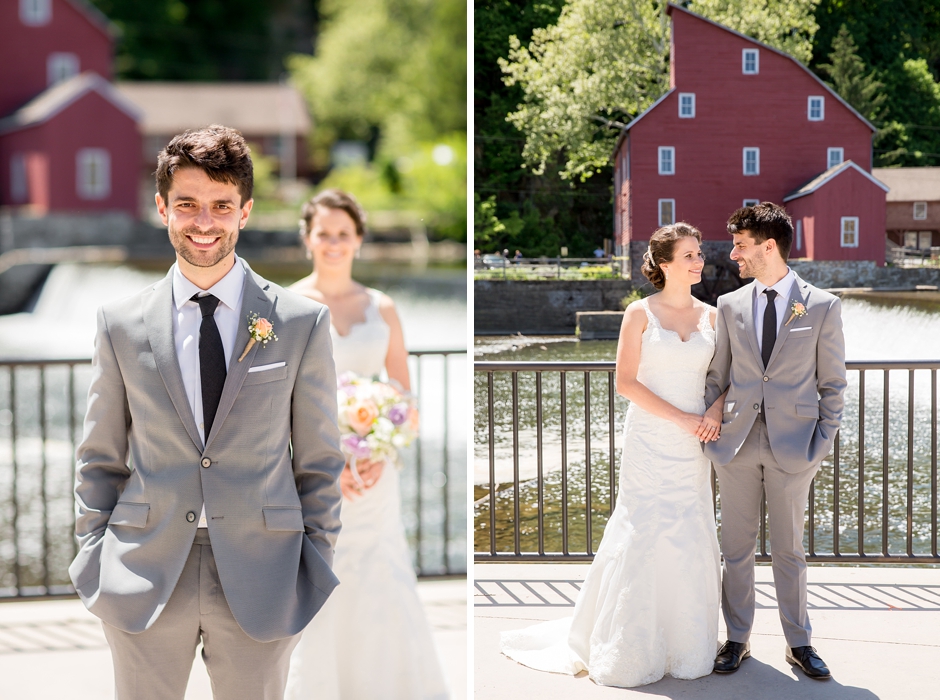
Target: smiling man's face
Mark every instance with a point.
(203, 218)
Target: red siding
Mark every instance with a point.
(24, 50)
(733, 111)
(848, 194)
(91, 122)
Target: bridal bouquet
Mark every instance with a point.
(375, 420)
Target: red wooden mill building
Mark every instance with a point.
(741, 123)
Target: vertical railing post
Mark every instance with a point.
(885, 454)
(861, 463)
(564, 463)
(538, 461)
(516, 509)
(587, 462)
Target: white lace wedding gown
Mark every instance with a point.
(371, 639)
(649, 604)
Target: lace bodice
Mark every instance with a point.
(364, 348)
(669, 366)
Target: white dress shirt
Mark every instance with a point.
(783, 288)
(186, 322)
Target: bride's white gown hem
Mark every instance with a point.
(648, 606)
(371, 639)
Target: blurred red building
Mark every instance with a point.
(69, 141)
(743, 122)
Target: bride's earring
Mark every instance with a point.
(666, 272)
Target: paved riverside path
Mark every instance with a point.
(55, 650)
(877, 628)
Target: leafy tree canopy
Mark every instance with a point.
(605, 61)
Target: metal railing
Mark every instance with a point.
(873, 501)
(42, 407)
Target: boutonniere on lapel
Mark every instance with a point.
(261, 331)
(797, 310)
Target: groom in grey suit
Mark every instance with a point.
(207, 479)
(780, 355)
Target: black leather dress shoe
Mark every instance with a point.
(731, 655)
(809, 662)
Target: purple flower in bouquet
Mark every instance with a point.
(357, 447)
(398, 413)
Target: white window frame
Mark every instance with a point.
(822, 108)
(19, 178)
(87, 161)
(922, 214)
(744, 154)
(924, 239)
(799, 234)
(752, 53)
(842, 223)
(672, 206)
(61, 65)
(835, 153)
(691, 98)
(35, 13)
(750, 202)
(910, 239)
(663, 150)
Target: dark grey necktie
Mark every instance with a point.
(211, 360)
(769, 335)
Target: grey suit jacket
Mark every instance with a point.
(802, 388)
(268, 473)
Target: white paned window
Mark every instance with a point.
(19, 184)
(920, 211)
(750, 61)
(815, 108)
(924, 240)
(667, 212)
(910, 239)
(61, 66)
(686, 105)
(667, 160)
(752, 161)
(799, 234)
(834, 157)
(750, 202)
(849, 232)
(93, 173)
(35, 13)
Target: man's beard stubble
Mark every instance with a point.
(198, 258)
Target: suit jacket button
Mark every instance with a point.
(190, 517)
(766, 379)
(757, 407)
(206, 462)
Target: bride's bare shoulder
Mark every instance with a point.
(305, 287)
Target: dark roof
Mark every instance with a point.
(828, 175)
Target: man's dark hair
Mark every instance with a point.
(220, 152)
(763, 221)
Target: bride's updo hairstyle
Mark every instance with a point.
(332, 199)
(661, 248)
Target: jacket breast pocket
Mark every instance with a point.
(283, 518)
(129, 514)
(269, 375)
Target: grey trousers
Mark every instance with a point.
(741, 481)
(155, 664)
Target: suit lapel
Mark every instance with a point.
(158, 320)
(798, 294)
(255, 300)
(745, 312)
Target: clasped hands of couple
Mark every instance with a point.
(707, 427)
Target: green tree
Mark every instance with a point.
(849, 77)
(390, 70)
(605, 61)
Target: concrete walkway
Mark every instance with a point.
(878, 629)
(55, 650)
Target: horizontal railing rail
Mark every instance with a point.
(874, 500)
(42, 407)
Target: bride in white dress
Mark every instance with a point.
(649, 604)
(371, 639)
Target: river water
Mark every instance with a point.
(61, 324)
(877, 327)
